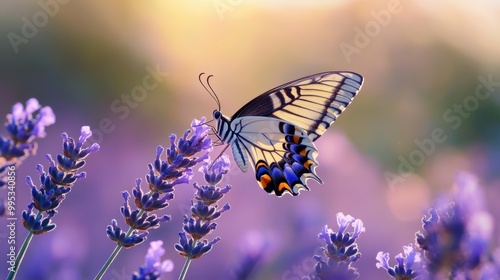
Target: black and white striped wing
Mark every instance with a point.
(313, 102)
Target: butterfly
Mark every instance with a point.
(274, 132)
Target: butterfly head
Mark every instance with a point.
(217, 114)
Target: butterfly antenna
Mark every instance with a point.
(209, 89)
(213, 92)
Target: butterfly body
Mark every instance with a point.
(275, 131)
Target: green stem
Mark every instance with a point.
(106, 265)
(186, 265)
(22, 252)
(115, 252)
(185, 268)
(113, 255)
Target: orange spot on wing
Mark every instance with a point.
(308, 164)
(303, 152)
(264, 180)
(284, 185)
(259, 164)
(296, 139)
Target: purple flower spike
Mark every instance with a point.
(153, 267)
(204, 211)
(341, 251)
(456, 236)
(383, 260)
(55, 183)
(171, 167)
(405, 269)
(213, 172)
(343, 221)
(24, 126)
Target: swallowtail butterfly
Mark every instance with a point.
(274, 132)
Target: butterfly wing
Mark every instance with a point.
(313, 102)
(281, 153)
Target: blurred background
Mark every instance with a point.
(428, 66)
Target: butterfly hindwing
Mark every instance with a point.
(281, 153)
(313, 102)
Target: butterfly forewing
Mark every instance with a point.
(313, 102)
(275, 131)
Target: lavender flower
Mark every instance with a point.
(203, 212)
(153, 267)
(38, 224)
(457, 232)
(213, 174)
(340, 251)
(57, 182)
(24, 126)
(125, 239)
(403, 270)
(193, 249)
(163, 176)
(144, 222)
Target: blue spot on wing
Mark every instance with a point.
(290, 173)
